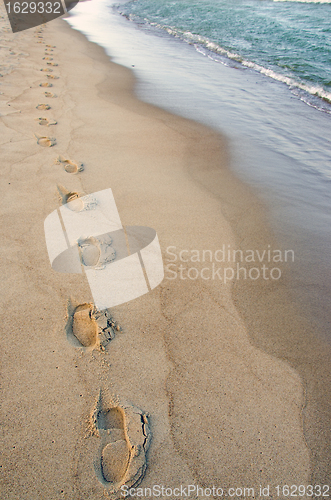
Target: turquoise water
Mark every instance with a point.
(289, 41)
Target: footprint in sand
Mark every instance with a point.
(49, 94)
(125, 437)
(45, 141)
(69, 166)
(82, 328)
(48, 58)
(96, 252)
(46, 122)
(89, 328)
(45, 84)
(77, 202)
(47, 70)
(43, 106)
(51, 46)
(66, 195)
(52, 77)
(51, 64)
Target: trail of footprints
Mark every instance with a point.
(122, 429)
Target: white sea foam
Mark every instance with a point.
(201, 43)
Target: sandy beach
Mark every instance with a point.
(216, 383)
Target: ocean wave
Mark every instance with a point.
(313, 95)
(199, 42)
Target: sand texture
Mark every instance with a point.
(197, 382)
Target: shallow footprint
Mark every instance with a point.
(69, 166)
(45, 141)
(51, 64)
(43, 106)
(47, 70)
(45, 84)
(82, 326)
(125, 438)
(53, 77)
(49, 94)
(48, 58)
(52, 46)
(46, 122)
(96, 252)
(76, 202)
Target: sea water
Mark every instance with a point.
(259, 71)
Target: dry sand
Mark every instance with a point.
(210, 383)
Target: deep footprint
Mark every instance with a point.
(82, 325)
(125, 438)
(87, 327)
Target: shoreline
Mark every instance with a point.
(264, 137)
(156, 163)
